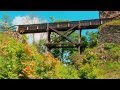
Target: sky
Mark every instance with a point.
(65, 15)
(18, 16)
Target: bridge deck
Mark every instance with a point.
(62, 26)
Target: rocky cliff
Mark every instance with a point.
(110, 34)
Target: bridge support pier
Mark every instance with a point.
(64, 35)
(48, 40)
(79, 40)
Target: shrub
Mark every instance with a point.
(109, 46)
(90, 72)
(68, 72)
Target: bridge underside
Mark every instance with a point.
(65, 33)
(65, 36)
(67, 29)
(58, 29)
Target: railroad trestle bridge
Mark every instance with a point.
(67, 27)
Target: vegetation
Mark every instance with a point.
(98, 61)
(61, 52)
(5, 23)
(19, 60)
(113, 22)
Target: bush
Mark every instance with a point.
(109, 46)
(115, 53)
(68, 72)
(19, 60)
(90, 72)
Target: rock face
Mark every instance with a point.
(110, 34)
(109, 14)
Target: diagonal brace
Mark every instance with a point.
(67, 32)
(70, 29)
(62, 35)
(66, 35)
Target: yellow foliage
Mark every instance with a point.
(28, 51)
(4, 53)
(27, 70)
(20, 75)
(51, 60)
(28, 61)
(32, 63)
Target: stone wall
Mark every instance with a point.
(110, 34)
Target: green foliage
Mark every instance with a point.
(113, 51)
(111, 70)
(19, 60)
(5, 23)
(9, 68)
(93, 39)
(52, 18)
(109, 46)
(62, 52)
(84, 44)
(68, 72)
(87, 65)
(90, 72)
(41, 46)
(98, 62)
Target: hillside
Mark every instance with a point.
(100, 62)
(19, 60)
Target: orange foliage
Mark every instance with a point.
(51, 60)
(53, 64)
(4, 53)
(29, 69)
(32, 63)
(28, 51)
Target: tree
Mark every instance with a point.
(5, 23)
(40, 46)
(52, 18)
(84, 44)
(92, 39)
